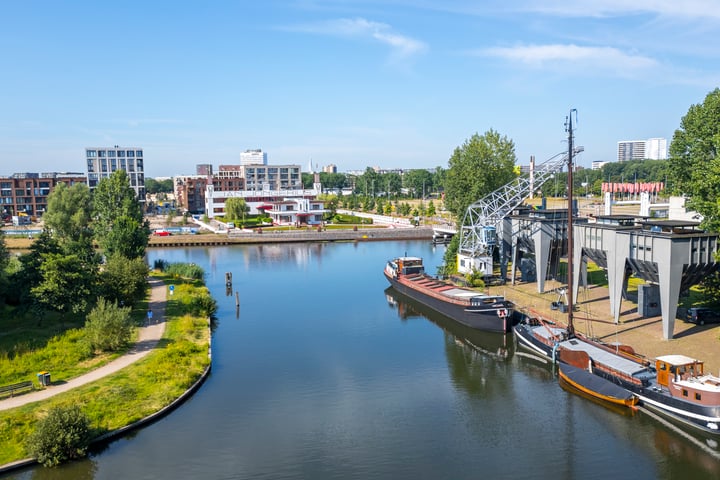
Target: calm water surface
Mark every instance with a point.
(325, 373)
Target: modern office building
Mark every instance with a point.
(103, 161)
(253, 157)
(598, 164)
(332, 168)
(26, 193)
(653, 149)
(271, 177)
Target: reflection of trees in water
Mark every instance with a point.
(78, 470)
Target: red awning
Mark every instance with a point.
(264, 207)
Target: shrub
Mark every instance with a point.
(185, 270)
(160, 264)
(108, 327)
(63, 435)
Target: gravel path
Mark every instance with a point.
(149, 335)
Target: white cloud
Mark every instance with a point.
(401, 45)
(686, 9)
(599, 59)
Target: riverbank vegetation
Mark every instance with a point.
(138, 390)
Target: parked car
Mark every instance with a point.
(701, 316)
(161, 233)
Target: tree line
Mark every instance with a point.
(91, 248)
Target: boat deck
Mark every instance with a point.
(444, 288)
(614, 361)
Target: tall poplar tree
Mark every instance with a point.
(118, 219)
(481, 165)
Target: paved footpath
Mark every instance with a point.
(149, 335)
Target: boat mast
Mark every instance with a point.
(570, 245)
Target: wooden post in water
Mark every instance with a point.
(237, 299)
(228, 278)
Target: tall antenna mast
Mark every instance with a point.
(570, 245)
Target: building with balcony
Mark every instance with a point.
(297, 211)
(27, 193)
(103, 161)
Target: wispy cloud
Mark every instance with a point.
(686, 9)
(596, 59)
(402, 46)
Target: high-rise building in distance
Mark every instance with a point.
(652, 149)
(103, 161)
(253, 157)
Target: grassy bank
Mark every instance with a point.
(133, 393)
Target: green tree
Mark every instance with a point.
(393, 184)
(68, 283)
(64, 434)
(694, 160)
(481, 165)
(431, 208)
(119, 223)
(108, 327)
(420, 182)
(235, 209)
(68, 215)
(449, 266)
(123, 280)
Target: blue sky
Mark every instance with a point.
(395, 84)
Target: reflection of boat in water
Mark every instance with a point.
(493, 344)
(469, 307)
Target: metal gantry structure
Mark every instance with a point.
(478, 233)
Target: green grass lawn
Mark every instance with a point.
(53, 343)
(131, 394)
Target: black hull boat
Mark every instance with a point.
(674, 385)
(465, 306)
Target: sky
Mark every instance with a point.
(355, 83)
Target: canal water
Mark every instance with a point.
(323, 372)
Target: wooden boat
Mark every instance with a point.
(673, 385)
(587, 382)
(466, 306)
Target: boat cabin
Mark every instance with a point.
(410, 265)
(684, 378)
(676, 368)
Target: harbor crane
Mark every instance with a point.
(479, 229)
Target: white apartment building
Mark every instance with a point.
(653, 149)
(253, 157)
(103, 161)
(271, 177)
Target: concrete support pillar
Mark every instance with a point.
(617, 273)
(542, 255)
(670, 271)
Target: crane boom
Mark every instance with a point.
(482, 218)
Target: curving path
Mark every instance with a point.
(149, 335)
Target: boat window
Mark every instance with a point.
(698, 397)
(663, 366)
(685, 393)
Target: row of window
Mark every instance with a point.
(114, 153)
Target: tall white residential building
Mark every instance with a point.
(103, 161)
(253, 157)
(656, 149)
(653, 149)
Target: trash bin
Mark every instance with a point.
(41, 378)
(46, 376)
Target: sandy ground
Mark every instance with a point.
(594, 319)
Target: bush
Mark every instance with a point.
(63, 435)
(108, 327)
(160, 264)
(185, 270)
